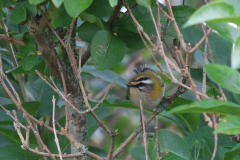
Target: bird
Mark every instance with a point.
(146, 86)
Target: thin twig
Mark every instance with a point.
(201, 41)
(110, 153)
(65, 92)
(157, 139)
(54, 129)
(144, 132)
(11, 40)
(215, 137)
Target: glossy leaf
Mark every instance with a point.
(214, 12)
(235, 59)
(208, 106)
(7, 120)
(87, 30)
(228, 125)
(100, 8)
(235, 4)
(106, 50)
(195, 150)
(10, 135)
(137, 152)
(225, 76)
(29, 62)
(31, 107)
(6, 152)
(4, 3)
(88, 17)
(105, 75)
(29, 41)
(144, 3)
(75, 7)
(172, 142)
(57, 3)
(32, 11)
(35, 2)
(113, 3)
(19, 13)
(59, 16)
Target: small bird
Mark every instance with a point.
(146, 86)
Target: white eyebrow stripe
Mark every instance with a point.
(148, 81)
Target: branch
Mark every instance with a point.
(11, 40)
(114, 15)
(157, 139)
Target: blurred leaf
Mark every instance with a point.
(144, 3)
(235, 59)
(102, 113)
(132, 40)
(105, 75)
(19, 13)
(225, 76)
(182, 13)
(19, 69)
(235, 4)
(59, 16)
(5, 3)
(35, 2)
(14, 151)
(172, 156)
(235, 151)
(57, 3)
(228, 125)
(214, 12)
(87, 30)
(100, 8)
(196, 150)
(225, 30)
(113, 3)
(5, 101)
(138, 152)
(32, 11)
(31, 107)
(152, 149)
(106, 50)
(40, 91)
(10, 135)
(208, 106)
(7, 120)
(88, 17)
(97, 151)
(189, 119)
(29, 62)
(172, 142)
(75, 7)
(29, 41)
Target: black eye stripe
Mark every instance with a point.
(141, 79)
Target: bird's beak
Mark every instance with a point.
(129, 85)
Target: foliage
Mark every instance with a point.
(184, 133)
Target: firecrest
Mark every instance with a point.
(146, 86)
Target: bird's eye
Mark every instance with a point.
(141, 84)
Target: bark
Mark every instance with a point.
(77, 124)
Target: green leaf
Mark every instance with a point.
(196, 150)
(225, 76)
(19, 69)
(235, 59)
(208, 106)
(31, 107)
(32, 10)
(189, 119)
(105, 75)
(7, 120)
(225, 30)
(228, 125)
(35, 2)
(232, 153)
(100, 8)
(172, 142)
(88, 17)
(87, 30)
(113, 3)
(10, 135)
(5, 3)
(152, 149)
(144, 3)
(106, 50)
(40, 91)
(235, 4)
(214, 12)
(19, 13)
(132, 40)
(172, 156)
(6, 152)
(137, 152)
(57, 3)
(59, 16)
(29, 62)
(75, 7)
(29, 41)
(97, 151)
